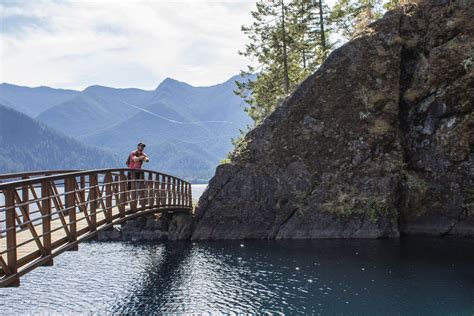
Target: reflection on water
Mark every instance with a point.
(409, 277)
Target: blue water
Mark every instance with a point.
(328, 277)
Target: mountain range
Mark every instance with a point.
(187, 129)
(29, 145)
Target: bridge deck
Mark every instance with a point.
(57, 235)
(43, 216)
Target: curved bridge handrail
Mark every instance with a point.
(43, 216)
(28, 174)
(60, 174)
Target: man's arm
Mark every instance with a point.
(135, 157)
(138, 158)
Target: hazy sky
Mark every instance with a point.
(121, 43)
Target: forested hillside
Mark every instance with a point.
(188, 129)
(28, 145)
(33, 101)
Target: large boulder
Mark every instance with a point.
(376, 143)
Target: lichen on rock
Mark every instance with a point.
(377, 142)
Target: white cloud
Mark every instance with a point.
(75, 44)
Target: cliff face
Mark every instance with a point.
(378, 142)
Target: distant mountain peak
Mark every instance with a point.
(96, 88)
(172, 83)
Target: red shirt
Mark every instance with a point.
(136, 164)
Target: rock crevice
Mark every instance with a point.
(377, 143)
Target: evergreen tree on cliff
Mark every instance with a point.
(288, 41)
(352, 16)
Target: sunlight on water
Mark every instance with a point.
(409, 277)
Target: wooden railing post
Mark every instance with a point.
(82, 192)
(185, 194)
(168, 191)
(133, 188)
(190, 195)
(177, 194)
(180, 192)
(59, 228)
(108, 198)
(150, 190)
(123, 195)
(174, 191)
(70, 202)
(93, 202)
(163, 191)
(25, 196)
(46, 213)
(141, 184)
(11, 236)
(157, 187)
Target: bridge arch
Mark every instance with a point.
(45, 213)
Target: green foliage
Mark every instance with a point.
(238, 143)
(352, 16)
(354, 203)
(224, 161)
(391, 4)
(288, 41)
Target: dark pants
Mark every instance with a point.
(138, 178)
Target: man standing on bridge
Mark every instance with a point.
(135, 161)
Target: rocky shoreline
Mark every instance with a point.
(378, 143)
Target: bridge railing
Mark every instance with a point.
(8, 177)
(43, 216)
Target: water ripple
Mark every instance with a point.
(309, 277)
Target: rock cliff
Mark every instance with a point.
(377, 143)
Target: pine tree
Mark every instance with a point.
(289, 41)
(352, 16)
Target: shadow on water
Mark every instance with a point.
(160, 277)
(328, 277)
(407, 276)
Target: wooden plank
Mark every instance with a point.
(4, 266)
(175, 193)
(83, 188)
(116, 194)
(160, 193)
(58, 204)
(123, 194)
(82, 203)
(181, 193)
(189, 195)
(25, 196)
(163, 190)
(93, 182)
(71, 206)
(46, 210)
(141, 184)
(33, 191)
(168, 191)
(11, 235)
(108, 196)
(30, 226)
(150, 190)
(133, 188)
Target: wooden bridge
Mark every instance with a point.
(45, 213)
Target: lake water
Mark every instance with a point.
(196, 189)
(328, 277)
